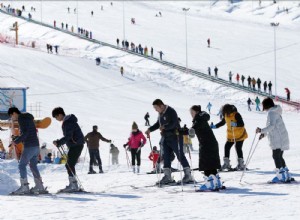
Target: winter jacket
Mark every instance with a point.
(154, 156)
(276, 130)
(92, 139)
(136, 140)
(169, 120)
(28, 132)
(234, 134)
(73, 135)
(208, 146)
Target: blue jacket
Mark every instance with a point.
(169, 120)
(47, 160)
(73, 135)
(28, 132)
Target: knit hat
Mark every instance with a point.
(134, 126)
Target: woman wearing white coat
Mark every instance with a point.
(278, 138)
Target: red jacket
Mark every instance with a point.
(136, 140)
(154, 156)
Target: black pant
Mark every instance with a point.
(94, 154)
(209, 172)
(135, 155)
(238, 148)
(147, 122)
(278, 159)
(73, 155)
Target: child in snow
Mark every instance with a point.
(114, 151)
(136, 141)
(278, 139)
(236, 134)
(154, 157)
(209, 159)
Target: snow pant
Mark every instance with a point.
(29, 155)
(170, 145)
(288, 97)
(135, 156)
(257, 108)
(249, 107)
(238, 148)
(73, 156)
(94, 155)
(209, 172)
(278, 158)
(114, 160)
(147, 122)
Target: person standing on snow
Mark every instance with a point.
(209, 72)
(288, 94)
(265, 86)
(136, 141)
(270, 88)
(236, 134)
(243, 79)
(257, 101)
(114, 151)
(238, 78)
(208, 42)
(249, 102)
(230, 76)
(74, 139)
(216, 72)
(209, 105)
(92, 139)
(30, 154)
(160, 54)
(258, 84)
(249, 82)
(172, 141)
(209, 159)
(147, 116)
(278, 139)
(122, 70)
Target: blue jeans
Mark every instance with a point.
(29, 155)
(171, 144)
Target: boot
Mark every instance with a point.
(217, 181)
(138, 169)
(91, 171)
(241, 165)
(39, 187)
(167, 178)
(280, 176)
(72, 187)
(226, 165)
(133, 169)
(288, 175)
(187, 175)
(209, 184)
(100, 169)
(24, 188)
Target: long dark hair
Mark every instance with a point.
(228, 109)
(196, 108)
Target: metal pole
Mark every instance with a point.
(275, 58)
(41, 10)
(123, 22)
(77, 12)
(186, 40)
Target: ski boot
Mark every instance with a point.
(72, 187)
(100, 169)
(226, 165)
(138, 169)
(24, 188)
(209, 184)
(288, 175)
(187, 178)
(39, 187)
(241, 165)
(92, 172)
(133, 169)
(280, 176)
(167, 178)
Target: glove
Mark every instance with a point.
(258, 130)
(109, 141)
(56, 143)
(124, 145)
(261, 136)
(233, 124)
(213, 127)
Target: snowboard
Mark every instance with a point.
(39, 123)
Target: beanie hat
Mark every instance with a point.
(134, 126)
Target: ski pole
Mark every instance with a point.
(249, 159)
(155, 167)
(179, 159)
(84, 159)
(193, 174)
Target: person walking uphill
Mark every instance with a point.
(136, 141)
(92, 139)
(74, 139)
(209, 159)
(28, 135)
(172, 141)
(278, 139)
(236, 134)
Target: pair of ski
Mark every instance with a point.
(45, 193)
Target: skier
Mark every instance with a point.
(122, 70)
(249, 82)
(249, 102)
(236, 134)
(154, 157)
(270, 88)
(258, 84)
(92, 13)
(136, 141)
(151, 51)
(216, 72)
(237, 78)
(48, 47)
(257, 101)
(146, 117)
(208, 42)
(62, 25)
(187, 142)
(92, 139)
(208, 70)
(118, 41)
(114, 151)
(56, 49)
(230, 76)
(54, 24)
(209, 159)
(208, 107)
(265, 86)
(288, 94)
(243, 79)
(68, 9)
(278, 139)
(31, 150)
(160, 54)
(74, 139)
(172, 141)
(98, 61)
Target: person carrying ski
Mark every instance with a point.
(136, 141)
(278, 139)
(30, 154)
(114, 151)
(172, 141)
(236, 134)
(146, 117)
(92, 139)
(74, 139)
(257, 101)
(209, 159)
(249, 102)
(154, 157)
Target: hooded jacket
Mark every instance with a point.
(73, 135)
(276, 130)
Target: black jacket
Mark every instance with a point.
(28, 132)
(73, 135)
(208, 145)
